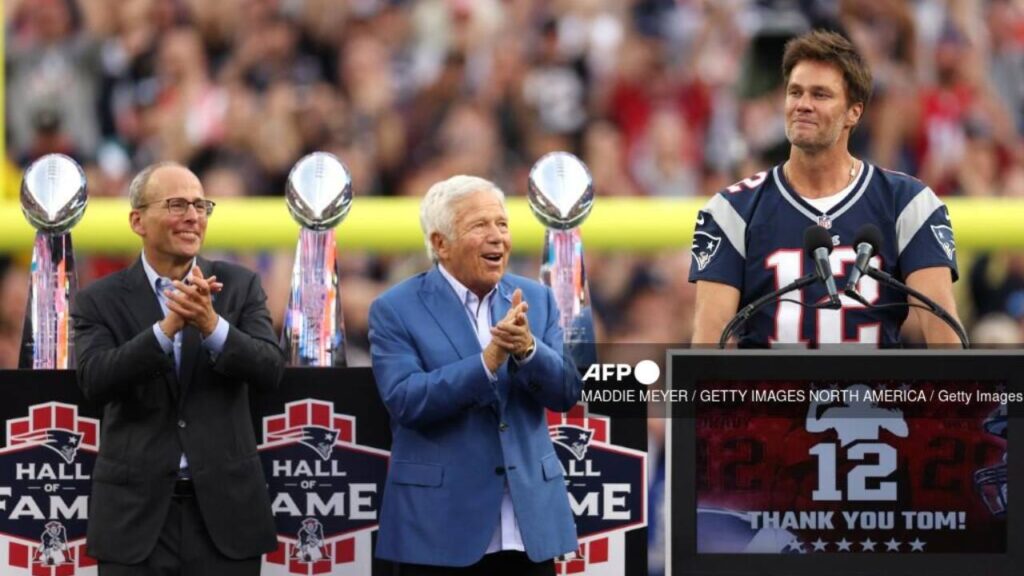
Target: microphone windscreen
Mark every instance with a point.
(816, 237)
(870, 234)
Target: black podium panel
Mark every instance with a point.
(323, 437)
(888, 462)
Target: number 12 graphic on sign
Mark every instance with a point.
(857, 480)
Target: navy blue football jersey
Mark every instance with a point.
(750, 236)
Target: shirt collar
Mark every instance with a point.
(152, 274)
(461, 291)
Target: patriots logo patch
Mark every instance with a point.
(704, 248)
(573, 438)
(944, 236)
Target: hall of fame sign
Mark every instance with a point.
(607, 486)
(45, 475)
(325, 491)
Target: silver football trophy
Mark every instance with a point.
(53, 200)
(319, 196)
(561, 195)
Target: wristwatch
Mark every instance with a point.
(525, 355)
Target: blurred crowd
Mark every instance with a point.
(673, 98)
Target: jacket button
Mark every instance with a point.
(181, 424)
(499, 470)
(503, 426)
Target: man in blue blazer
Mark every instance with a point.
(467, 358)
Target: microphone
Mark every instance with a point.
(867, 242)
(933, 307)
(818, 245)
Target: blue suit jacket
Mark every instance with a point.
(457, 436)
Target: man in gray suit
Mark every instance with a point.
(169, 347)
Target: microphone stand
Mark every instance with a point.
(933, 307)
(747, 311)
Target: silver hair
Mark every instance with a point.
(137, 188)
(437, 211)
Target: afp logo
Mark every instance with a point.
(645, 372)
(325, 490)
(45, 475)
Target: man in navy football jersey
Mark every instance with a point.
(749, 237)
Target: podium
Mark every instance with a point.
(861, 462)
(323, 437)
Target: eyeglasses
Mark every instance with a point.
(179, 206)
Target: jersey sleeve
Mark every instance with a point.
(924, 235)
(719, 244)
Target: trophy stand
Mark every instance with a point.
(48, 313)
(563, 270)
(314, 327)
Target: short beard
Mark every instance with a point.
(816, 146)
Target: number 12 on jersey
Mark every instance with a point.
(829, 324)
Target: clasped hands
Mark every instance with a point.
(191, 302)
(510, 336)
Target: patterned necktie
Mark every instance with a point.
(161, 285)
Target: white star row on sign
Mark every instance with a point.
(868, 545)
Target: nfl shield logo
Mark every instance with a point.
(824, 221)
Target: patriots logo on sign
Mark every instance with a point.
(944, 235)
(320, 439)
(704, 248)
(63, 442)
(53, 546)
(324, 488)
(45, 475)
(572, 438)
(607, 486)
(312, 546)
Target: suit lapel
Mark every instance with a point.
(501, 302)
(141, 302)
(443, 305)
